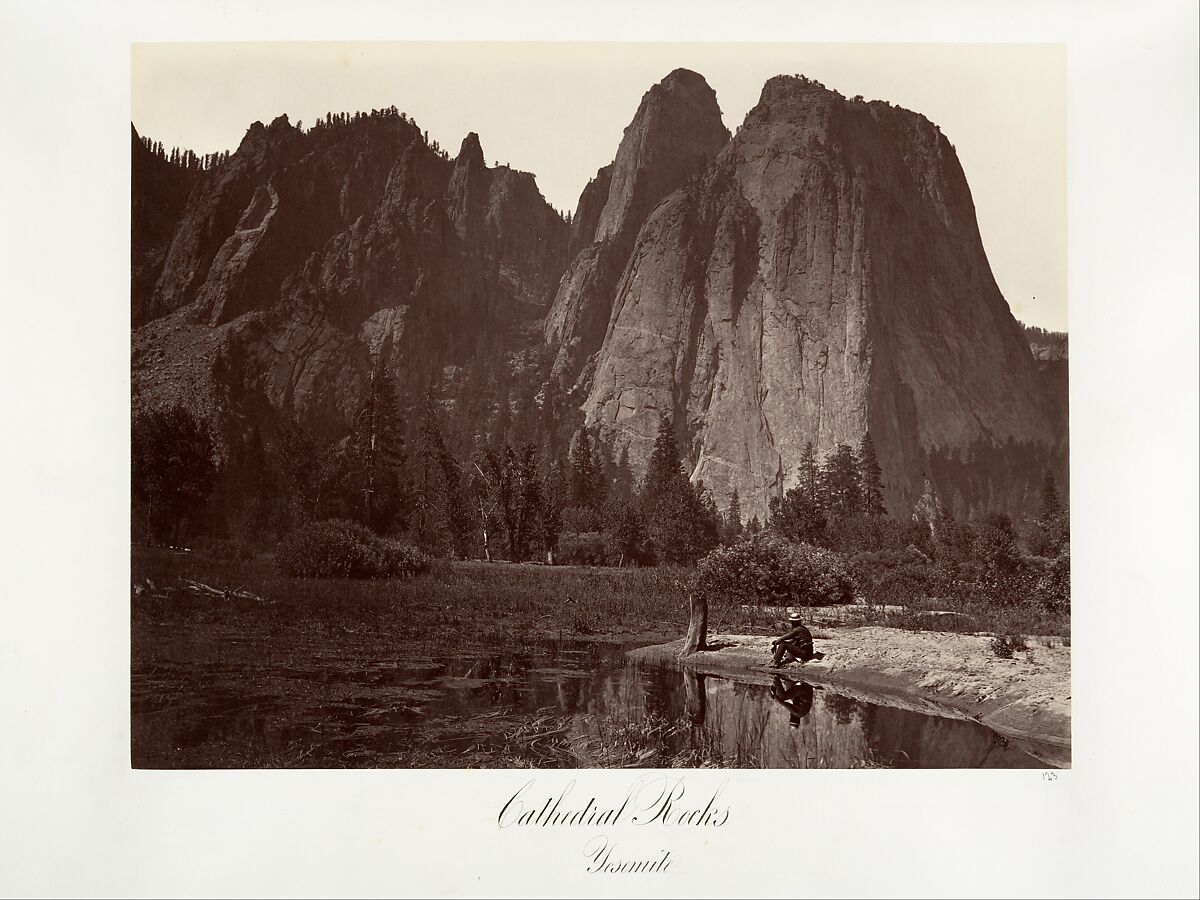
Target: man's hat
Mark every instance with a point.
(795, 617)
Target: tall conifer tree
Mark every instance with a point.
(583, 471)
(733, 519)
(378, 461)
(839, 482)
(664, 466)
(870, 478)
(808, 482)
(681, 517)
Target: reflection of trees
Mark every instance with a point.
(697, 702)
(843, 708)
(661, 684)
(567, 691)
(497, 666)
(906, 739)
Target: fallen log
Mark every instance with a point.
(198, 587)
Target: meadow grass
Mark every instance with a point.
(507, 603)
(500, 602)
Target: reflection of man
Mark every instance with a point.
(796, 696)
(796, 644)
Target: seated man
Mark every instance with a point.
(797, 643)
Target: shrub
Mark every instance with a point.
(899, 587)
(583, 549)
(1004, 645)
(401, 560)
(876, 534)
(892, 577)
(626, 540)
(338, 548)
(1052, 588)
(768, 570)
(996, 544)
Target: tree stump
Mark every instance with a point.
(697, 633)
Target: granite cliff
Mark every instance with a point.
(815, 275)
(674, 135)
(823, 276)
(306, 254)
(160, 191)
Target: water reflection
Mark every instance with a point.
(696, 697)
(339, 709)
(794, 696)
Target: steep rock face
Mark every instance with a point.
(212, 214)
(824, 277)
(253, 221)
(501, 211)
(1056, 384)
(587, 214)
(159, 192)
(307, 253)
(676, 132)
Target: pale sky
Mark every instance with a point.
(558, 110)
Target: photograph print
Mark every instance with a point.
(599, 406)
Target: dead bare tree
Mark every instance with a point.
(697, 633)
(485, 496)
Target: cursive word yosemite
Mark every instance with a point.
(652, 799)
(600, 851)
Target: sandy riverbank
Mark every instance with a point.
(1027, 698)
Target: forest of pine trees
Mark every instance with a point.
(190, 161)
(482, 468)
(846, 487)
(1044, 337)
(185, 159)
(521, 491)
(468, 472)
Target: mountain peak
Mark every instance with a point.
(793, 84)
(683, 77)
(470, 153)
(789, 98)
(675, 133)
(682, 86)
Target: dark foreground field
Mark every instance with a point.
(469, 664)
(260, 680)
(499, 604)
